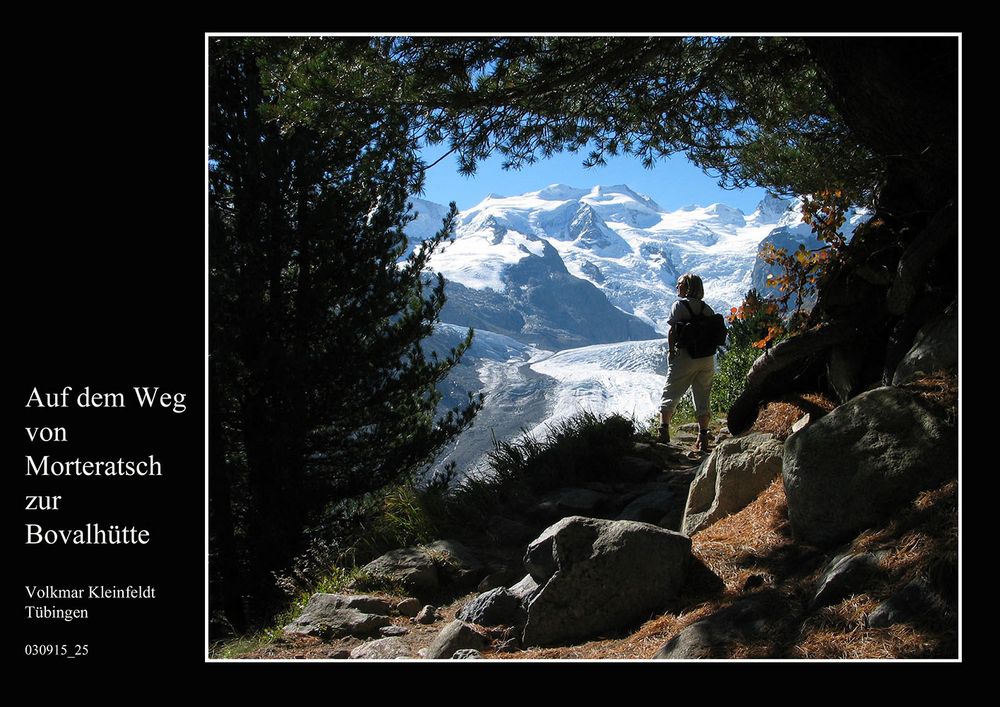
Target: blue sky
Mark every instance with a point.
(672, 183)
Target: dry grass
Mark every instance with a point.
(777, 417)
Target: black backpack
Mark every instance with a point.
(703, 334)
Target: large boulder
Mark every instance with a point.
(846, 574)
(652, 506)
(716, 635)
(429, 566)
(382, 649)
(497, 607)
(858, 464)
(329, 622)
(409, 566)
(600, 576)
(456, 562)
(526, 589)
(934, 348)
(456, 636)
(568, 502)
(735, 473)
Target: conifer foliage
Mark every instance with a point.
(320, 388)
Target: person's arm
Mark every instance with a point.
(671, 342)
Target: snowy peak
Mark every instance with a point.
(771, 209)
(589, 231)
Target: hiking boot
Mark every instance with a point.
(702, 444)
(663, 436)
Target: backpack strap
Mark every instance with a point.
(691, 311)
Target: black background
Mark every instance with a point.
(107, 287)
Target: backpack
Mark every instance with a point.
(703, 334)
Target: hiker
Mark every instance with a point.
(687, 371)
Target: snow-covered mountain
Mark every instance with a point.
(616, 239)
(568, 290)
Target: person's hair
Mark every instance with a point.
(695, 287)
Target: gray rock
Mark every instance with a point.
(526, 589)
(844, 371)
(915, 599)
(334, 623)
(457, 563)
(934, 348)
(341, 654)
(382, 649)
(845, 575)
(735, 473)
(497, 607)
(389, 631)
(412, 567)
(635, 469)
(427, 615)
(507, 531)
(704, 639)
(608, 575)
(409, 607)
(455, 636)
(857, 465)
(713, 637)
(569, 501)
(651, 507)
(539, 559)
(500, 578)
(467, 654)
(321, 604)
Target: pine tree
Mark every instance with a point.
(320, 388)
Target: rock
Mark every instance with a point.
(844, 371)
(408, 607)
(507, 531)
(411, 567)
(934, 348)
(713, 637)
(498, 579)
(567, 502)
(455, 636)
(845, 575)
(427, 615)
(539, 559)
(382, 649)
(526, 589)
(635, 469)
(335, 623)
(458, 564)
(735, 473)
(914, 600)
(497, 607)
(467, 654)
(850, 470)
(599, 487)
(427, 567)
(606, 575)
(389, 631)
(342, 654)
(703, 639)
(651, 507)
(801, 423)
(320, 603)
